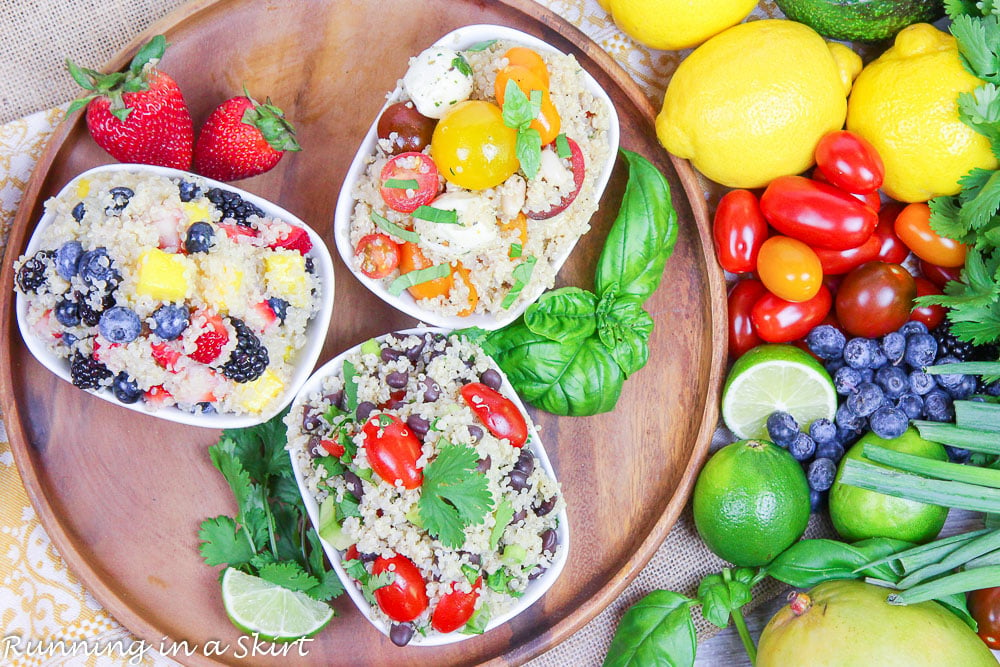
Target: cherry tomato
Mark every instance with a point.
(742, 334)
(525, 57)
(817, 214)
(409, 181)
(455, 608)
(929, 315)
(875, 298)
(738, 231)
(940, 275)
(839, 262)
(873, 199)
(547, 122)
(411, 258)
(406, 597)
(497, 412)
(579, 169)
(789, 268)
(850, 162)
(378, 255)
(984, 605)
(405, 128)
(891, 250)
(462, 273)
(779, 321)
(473, 147)
(393, 450)
(913, 227)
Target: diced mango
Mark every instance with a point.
(256, 395)
(83, 187)
(163, 275)
(197, 211)
(221, 285)
(285, 274)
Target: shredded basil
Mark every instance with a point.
(562, 146)
(432, 214)
(522, 274)
(393, 229)
(515, 250)
(482, 46)
(417, 277)
(401, 183)
(462, 65)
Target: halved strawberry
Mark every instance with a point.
(211, 342)
(266, 313)
(297, 239)
(166, 356)
(236, 231)
(158, 397)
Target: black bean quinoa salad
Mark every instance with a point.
(428, 483)
(171, 292)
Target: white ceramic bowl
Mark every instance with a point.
(305, 358)
(461, 38)
(535, 589)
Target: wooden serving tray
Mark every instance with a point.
(122, 494)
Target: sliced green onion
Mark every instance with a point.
(433, 214)
(350, 386)
(956, 436)
(972, 549)
(966, 368)
(874, 477)
(393, 229)
(515, 250)
(562, 146)
(401, 183)
(417, 277)
(960, 582)
(921, 465)
(979, 416)
(522, 274)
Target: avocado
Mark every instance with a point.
(861, 20)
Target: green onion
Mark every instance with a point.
(417, 277)
(914, 487)
(393, 229)
(972, 549)
(921, 465)
(960, 582)
(956, 436)
(522, 274)
(966, 368)
(924, 554)
(979, 416)
(432, 214)
(515, 250)
(401, 184)
(562, 146)
(992, 558)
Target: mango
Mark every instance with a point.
(285, 274)
(164, 276)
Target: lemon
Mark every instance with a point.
(676, 24)
(751, 103)
(905, 104)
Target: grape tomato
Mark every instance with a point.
(497, 412)
(579, 169)
(789, 268)
(816, 213)
(455, 608)
(839, 262)
(742, 333)
(913, 227)
(939, 275)
(738, 231)
(393, 450)
(779, 321)
(406, 597)
(931, 316)
(850, 162)
(984, 606)
(891, 249)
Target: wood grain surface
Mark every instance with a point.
(122, 494)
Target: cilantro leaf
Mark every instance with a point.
(223, 543)
(328, 587)
(371, 583)
(979, 45)
(454, 495)
(288, 574)
(944, 218)
(956, 8)
(980, 110)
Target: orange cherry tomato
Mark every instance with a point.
(547, 122)
(789, 268)
(462, 273)
(531, 59)
(411, 258)
(914, 229)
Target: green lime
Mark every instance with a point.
(751, 502)
(858, 514)
(275, 613)
(774, 377)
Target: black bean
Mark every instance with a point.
(484, 464)
(354, 484)
(367, 557)
(476, 433)
(549, 541)
(418, 425)
(336, 398)
(365, 409)
(475, 559)
(390, 354)
(413, 353)
(311, 419)
(432, 390)
(397, 379)
(525, 462)
(518, 479)
(546, 506)
(537, 572)
(315, 449)
(401, 633)
(491, 379)
(518, 516)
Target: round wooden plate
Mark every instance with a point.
(121, 494)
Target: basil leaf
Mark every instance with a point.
(517, 109)
(624, 327)
(876, 549)
(810, 562)
(642, 236)
(721, 594)
(417, 277)
(656, 630)
(528, 148)
(393, 229)
(564, 314)
(522, 274)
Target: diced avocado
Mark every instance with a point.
(504, 513)
(370, 346)
(477, 623)
(164, 276)
(513, 554)
(329, 528)
(861, 20)
(413, 516)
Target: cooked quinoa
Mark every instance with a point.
(514, 251)
(170, 292)
(417, 380)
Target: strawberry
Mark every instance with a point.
(242, 138)
(297, 239)
(165, 356)
(210, 343)
(138, 115)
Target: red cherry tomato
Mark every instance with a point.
(789, 268)
(818, 214)
(929, 315)
(839, 262)
(408, 181)
(405, 128)
(780, 321)
(738, 231)
(742, 334)
(875, 298)
(850, 162)
(455, 608)
(892, 250)
(393, 450)
(873, 199)
(913, 227)
(984, 605)
(406, 597)
(940, 275)
(579, 169)
(497, 412)
(378, 255)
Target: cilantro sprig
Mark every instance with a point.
(454, 495)
(270, 536)
(518, 112)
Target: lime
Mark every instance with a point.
(776, 377)
(275, 613)
(858, 514)
(751, 502)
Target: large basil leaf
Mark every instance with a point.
(810, 562)
(565, 314)
(579, 377)
(624, 328)
(656, 630)
(642, 236)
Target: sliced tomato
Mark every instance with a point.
(393, 450)
(455, 608)
(497, 412)
(406, 597)
(332, 447)
(576, 164)
(409, 181)
(378, 255)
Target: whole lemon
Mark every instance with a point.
(905, 104)
(676, 24)
(751, 103)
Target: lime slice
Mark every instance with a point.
(774, 377)
(275, 613)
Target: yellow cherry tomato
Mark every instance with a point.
(473, 148)
(547, 122)
(913, 227)
(789, 268)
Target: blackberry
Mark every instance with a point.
(87, 372)
(233, 206)
(90, 314)
(31, 275)
(67, 313)
(950, 345)
(248, 361)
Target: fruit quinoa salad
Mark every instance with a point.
(171, 292)
(452, 205)
(415, 480)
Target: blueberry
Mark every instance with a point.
(965, 389)
(888, 423)
(957, 454)
(68, 259)
(921, 349)
(170, 321)
(846, 380)
(817, 501)
(893, 346)
(834, 365)
(68, 339)
(119, 324)
(847, 436)
(823, 430)
(279, 306)
(120, 197)
(826, 342)
(938, 406)
(821, 473)
(957, 385)
(912, 405)
(913, 327)
(858, 353)
(802, 447)
(992, 389)
(125, 388)
(67, 313)
(782, 428)
(866, 400)
(199, 238)
(847, 418)
(830, 450)
(96, 266)
(867, 374)
(879, 359)
(893, 380)
(79, 211)
(921, 382)
(188, 191)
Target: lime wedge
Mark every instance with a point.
(275, 613)
(776, 377)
